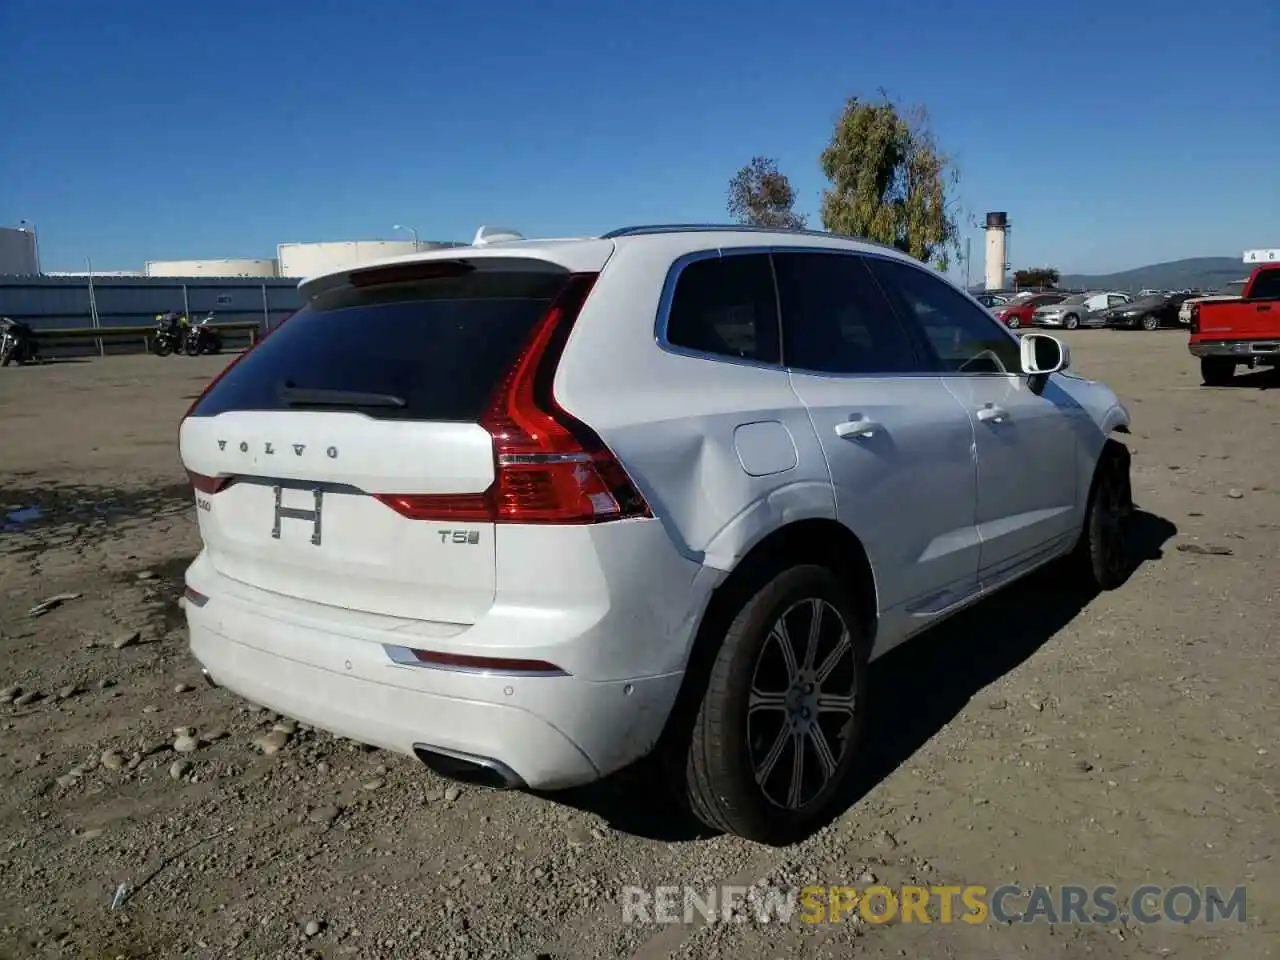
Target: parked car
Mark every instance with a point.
(990, 300)
(1078, 310)
(1145, 313)
(1228, 333)
(1021, 312)
(666, 490)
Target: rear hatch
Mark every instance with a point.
(371, 392)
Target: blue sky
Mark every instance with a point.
(1115, 132)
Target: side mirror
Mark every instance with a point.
(1043, 354)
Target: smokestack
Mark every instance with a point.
(997, 228)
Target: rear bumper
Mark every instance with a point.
(551, 731)
(1257, 351)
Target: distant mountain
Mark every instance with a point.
(1203, 273)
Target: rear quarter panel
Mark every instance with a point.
(673, 420)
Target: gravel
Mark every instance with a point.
(1034, 740)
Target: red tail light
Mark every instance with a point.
(227, 369)
(548, 466)
(1195, 318)
(209, 485)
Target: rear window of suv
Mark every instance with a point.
(439, 345)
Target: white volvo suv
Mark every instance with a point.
(531, 510)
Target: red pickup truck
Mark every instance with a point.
(1228, 333)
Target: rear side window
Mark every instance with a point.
(835, 319)
(439, 345)
(726, 306)
(1267, 286)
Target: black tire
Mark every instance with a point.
(1071, 321)
(1014, 323)
(1104, 554)
(1151, 322)
(1217, 371)
(163, 347)
(192, 347)
(5, 356)
(728, 742)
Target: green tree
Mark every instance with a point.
(890, 182)
(1036, 277)
(761, 196)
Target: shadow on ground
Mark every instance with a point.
(48, 361)
(916, 690)
(1261, 379)
(32, 515)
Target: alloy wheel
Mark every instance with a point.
(802, 703)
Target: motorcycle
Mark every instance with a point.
(17, 343)
(202, 337)
(169, 335)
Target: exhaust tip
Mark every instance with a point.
(465, 768)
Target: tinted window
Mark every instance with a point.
(964, 337)
(835, 319)
(1267, 286)
(726, 306)
(440, 345)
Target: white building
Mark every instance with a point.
(309, 259)
(19, 254)
(96, 274)
(225, 267)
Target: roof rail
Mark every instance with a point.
(637, 231)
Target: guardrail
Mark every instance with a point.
(101, 336)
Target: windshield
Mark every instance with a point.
(1075, 299)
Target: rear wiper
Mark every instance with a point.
(313, 397)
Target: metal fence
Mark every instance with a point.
(76, 303)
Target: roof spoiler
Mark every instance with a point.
(487, 235)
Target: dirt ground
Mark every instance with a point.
(1039, 739)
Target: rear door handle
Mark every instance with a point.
(993, 414)
(1264, 308)
(858, 427)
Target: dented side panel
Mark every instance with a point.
(702, 438)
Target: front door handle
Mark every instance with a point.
(1264, 308)
(993, 414)
(858, 427)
